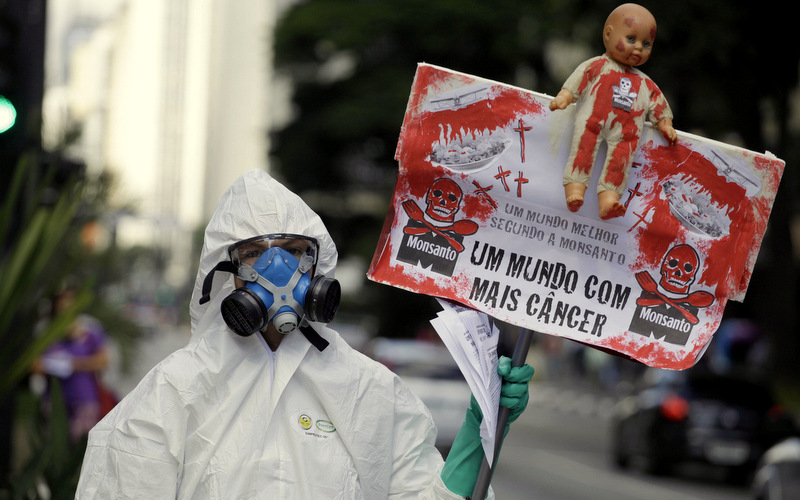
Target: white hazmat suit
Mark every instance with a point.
(227, 418)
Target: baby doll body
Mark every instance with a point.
(613, 101)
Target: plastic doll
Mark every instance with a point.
(613, 101)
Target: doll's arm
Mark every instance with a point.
(667, 130)
(562, 100)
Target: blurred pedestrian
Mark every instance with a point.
(77, 361)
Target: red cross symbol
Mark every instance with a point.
(502, 174)
(483, 191)
(640, 218)
(520, 180)
(634, 192)
(521, 129)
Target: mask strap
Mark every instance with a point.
(312, 336)
(226, 266)
(306, 263)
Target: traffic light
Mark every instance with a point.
(8, 114)
(9, 72)
(22, 27)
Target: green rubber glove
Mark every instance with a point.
(514, 390)
(464, 460)
(466, 455)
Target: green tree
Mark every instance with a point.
(44, 209)
(34, 224)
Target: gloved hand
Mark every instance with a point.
(514, 390)
(466, 454)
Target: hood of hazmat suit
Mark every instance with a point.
(225, 417)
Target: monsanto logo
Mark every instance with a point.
(433, 237)
(667, 309)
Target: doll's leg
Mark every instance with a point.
(614, 177)
(578, 171)
(573, 193)
(609, 205)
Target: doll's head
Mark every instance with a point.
(629, 33)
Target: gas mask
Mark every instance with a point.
(279, 287)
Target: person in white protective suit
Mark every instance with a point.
(292, 414)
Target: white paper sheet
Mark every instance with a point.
(472, 341)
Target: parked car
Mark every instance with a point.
(697, 416)
(431, 373)
(778, 473)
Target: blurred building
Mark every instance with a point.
(173, 97)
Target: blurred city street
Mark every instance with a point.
(559, 449)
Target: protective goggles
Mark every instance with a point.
(304, 248)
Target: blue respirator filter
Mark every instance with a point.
(281, 291)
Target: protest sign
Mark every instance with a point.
(478, 216)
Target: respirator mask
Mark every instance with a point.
(277, 270)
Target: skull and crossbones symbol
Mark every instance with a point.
(443, 200)
(679, 270)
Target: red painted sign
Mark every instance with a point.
(478, 216)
